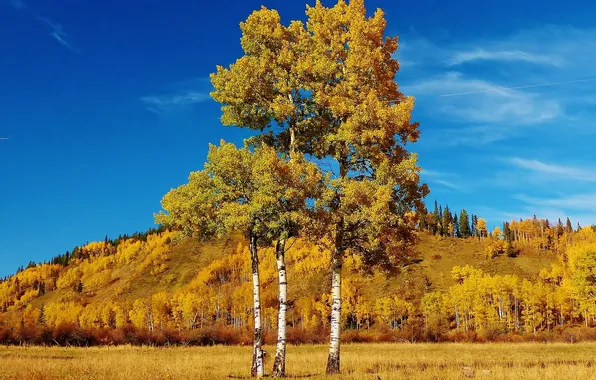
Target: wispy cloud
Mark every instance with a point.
(584, 202)
(522, 87)
(497, 106)
(444, 179)
(542, 211)
(58, 34)
(480, 54)
(554, 171)
(18, 4)
(516, 82)
(506, 97)
(579, 208)
(567, 195)
(166, 102)
(493, 114)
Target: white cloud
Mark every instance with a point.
(501, 95)
(579, 208)
(477, 135)
(58, 34)
(480, 54)
(157, 103)
(554, 171)
(444, 179)
(542, 211)
(534, 88)
(583, 202)
(500, 105)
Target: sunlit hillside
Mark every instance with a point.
(163, 287)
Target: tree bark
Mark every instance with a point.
(333, 362)
(257, 358)
(279, 365)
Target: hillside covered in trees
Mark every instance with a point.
(531, 279)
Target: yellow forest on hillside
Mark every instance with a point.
(165, 288)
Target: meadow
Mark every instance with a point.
(359, 361)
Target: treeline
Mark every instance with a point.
(493, 305)
(78, 253)
(216, 306)
(443, 222)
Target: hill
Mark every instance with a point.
(159, 283)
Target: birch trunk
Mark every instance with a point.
(279, 365)
(333, 363)
(257, 357)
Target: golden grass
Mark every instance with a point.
(359, 361)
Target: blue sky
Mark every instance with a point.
(105, 106)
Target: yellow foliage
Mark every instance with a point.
(496, 248)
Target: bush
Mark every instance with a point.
(68, 334)
(355, 336)
(297, 335)
(488, 334)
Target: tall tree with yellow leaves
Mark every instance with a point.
(264, 91)
(217, 200)
(258, 193)
(292, 187)
(328, 86)
(375, 196)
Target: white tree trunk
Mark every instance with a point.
(257, 359)
(333, 363)
(279, 365)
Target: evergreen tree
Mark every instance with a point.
(464, 224)
(446, 220)
(42, 314)
(568, 226)
(442, 226)
(559, 228)
(436, 221)
(473, 229)
(423, 225)
(510, 251)
(456, 226)
(507, 235)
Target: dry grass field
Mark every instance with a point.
(360, 361)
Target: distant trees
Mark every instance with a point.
(218, 302)
(443, 222)
(481, 229)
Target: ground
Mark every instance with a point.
(359, 361)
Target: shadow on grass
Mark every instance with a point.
(269, 376)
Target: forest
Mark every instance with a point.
(317, 229)
(91, 300)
